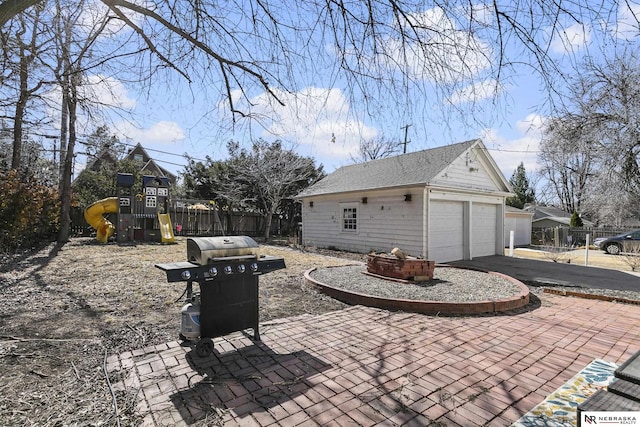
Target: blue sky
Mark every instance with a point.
(174, 117)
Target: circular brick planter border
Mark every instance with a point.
(426, 307)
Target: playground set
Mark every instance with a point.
(140, 217)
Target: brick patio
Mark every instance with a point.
(364, 366)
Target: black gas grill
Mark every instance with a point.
(226, 270)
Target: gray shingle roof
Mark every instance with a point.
(415, 168)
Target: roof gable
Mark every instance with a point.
(541, 212)
(104, 157)
(417, 168)
(148, 163)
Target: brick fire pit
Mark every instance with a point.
(415, 269)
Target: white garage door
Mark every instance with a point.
(483, 229)
(446, 231)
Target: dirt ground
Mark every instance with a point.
(64, 310)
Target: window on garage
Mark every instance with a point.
(349, 218)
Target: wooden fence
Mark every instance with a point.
(191, 218)
(573, 236)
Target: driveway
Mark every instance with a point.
(558, 273)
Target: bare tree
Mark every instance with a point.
(611, 104)
(24, 44)
(377, 147)
(595, 142)
(271, 174)
(568, 157)
(388, 50)
(70, 72)
(397, 48)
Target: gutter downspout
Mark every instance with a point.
(425, 223)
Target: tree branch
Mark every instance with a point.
(195, 42)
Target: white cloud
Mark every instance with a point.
(509, 152)
(94, 13)
(446, 54)
(627, 26)
(476, 92)
(483, 14)
(107, 91)
(318, 121)
(163, 132)
(101, 93)
(571, 39)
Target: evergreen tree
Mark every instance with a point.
(575, 220)
(520, 184)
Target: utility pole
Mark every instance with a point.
(406, 141)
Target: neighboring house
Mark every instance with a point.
(518, 221)
(550, 217)
(137, 154)
(445, 204)
(104, 157)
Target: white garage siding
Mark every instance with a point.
(385, 221)
(483, 229)
(520, 224)
(446, 230)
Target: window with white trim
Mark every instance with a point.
(350, 218)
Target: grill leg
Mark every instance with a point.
(256, 328)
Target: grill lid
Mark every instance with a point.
(205, 250)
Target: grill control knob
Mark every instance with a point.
(213, 271)
(228, 269)
(254, 266)
(186, 275)
(241, 268)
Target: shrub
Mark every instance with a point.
(29, 212)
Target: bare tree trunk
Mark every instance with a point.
(65, 182)
(27, 52)
(64, 120)
(267, 226)
(19, 112)
(65, 84)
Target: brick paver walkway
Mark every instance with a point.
(364, 366)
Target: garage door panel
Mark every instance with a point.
(446, 240)
(483, 229)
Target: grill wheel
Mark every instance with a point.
(204, 347)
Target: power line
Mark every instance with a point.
(150, 149)
(166, 152)
(502, 150)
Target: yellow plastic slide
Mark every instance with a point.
(94, 215)
(166, 230)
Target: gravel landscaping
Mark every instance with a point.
(448, 285)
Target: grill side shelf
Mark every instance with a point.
(268, 264)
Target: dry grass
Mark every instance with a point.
(557, 253)
(65, 310)
(632, 259)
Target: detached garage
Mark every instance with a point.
(445, 204)
(518, 221)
